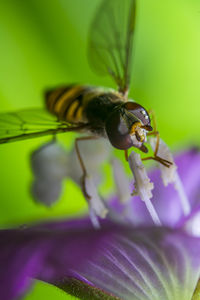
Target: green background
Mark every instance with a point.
(43, 44)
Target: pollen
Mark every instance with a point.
(143, 185)
(135, 126)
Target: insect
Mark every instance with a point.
(97, 111)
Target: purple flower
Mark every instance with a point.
(166, 200)
(138, 261)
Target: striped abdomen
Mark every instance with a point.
(68, 102)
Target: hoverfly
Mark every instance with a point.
(81, 108)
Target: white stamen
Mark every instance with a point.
(167, 174)
(153, 212)
(95, 203)
(183, 197)
(94, 219)
(143, 186)
(170, 175)
(121, 181)
(192, 226)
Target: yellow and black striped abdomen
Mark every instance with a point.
(68, 102)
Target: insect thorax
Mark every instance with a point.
(77, 103)
(99, 108)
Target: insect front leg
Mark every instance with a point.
(156, 133)
(83, 179)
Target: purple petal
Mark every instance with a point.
(145, 264)
(47, 253)
(128, 263)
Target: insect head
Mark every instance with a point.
(127, 126)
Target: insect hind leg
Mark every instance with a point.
(82, 164)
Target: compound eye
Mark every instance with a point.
(139, 111)
(118, 131)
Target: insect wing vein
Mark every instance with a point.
(31, 123)
(111, 40)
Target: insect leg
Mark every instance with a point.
(77, 140)
(159, 159)
(156, 133)
(126, 154)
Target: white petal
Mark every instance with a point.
(46, 192)
(49, 162)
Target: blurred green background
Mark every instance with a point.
(43, 44)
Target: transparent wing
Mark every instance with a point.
(26, 124)
(111, 40)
